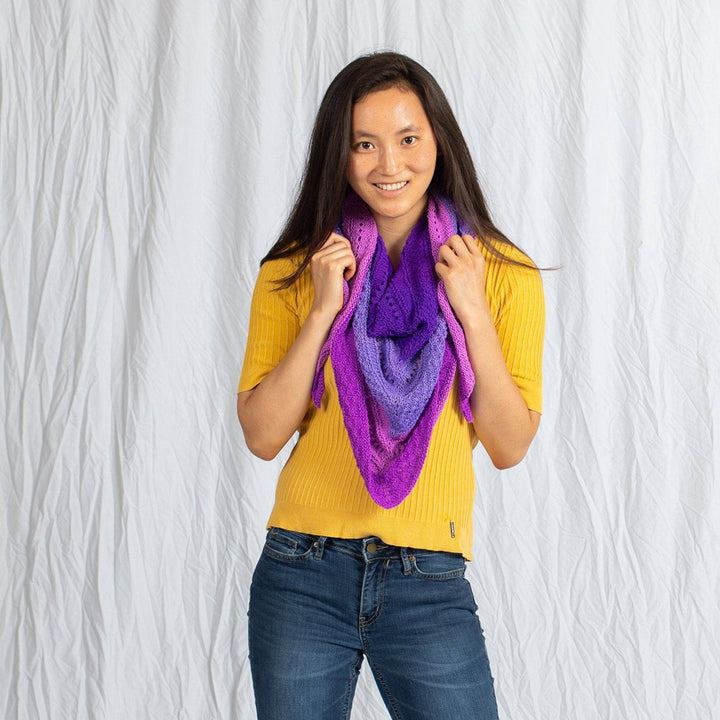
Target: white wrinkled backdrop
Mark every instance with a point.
(149, 150)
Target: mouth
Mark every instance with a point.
(391, 186)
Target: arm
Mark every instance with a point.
(501, 419)
(271, 412)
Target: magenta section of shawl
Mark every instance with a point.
(443, 222)
(389, 466)
(358, 226)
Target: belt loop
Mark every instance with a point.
(318, 547)
(407, 566)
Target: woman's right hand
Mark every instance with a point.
(272, 411)
(329, 266)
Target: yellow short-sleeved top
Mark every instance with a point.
(320, 490)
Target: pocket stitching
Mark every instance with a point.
(447, 575)
(290, 543)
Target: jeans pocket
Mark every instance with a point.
(436, 565)
(288, 544)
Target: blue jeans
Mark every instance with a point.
(319, 605)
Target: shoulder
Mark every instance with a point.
(274, 272)
(511, 252)
(512, 263)
(270, 292)
(279, 268)
(512, 278)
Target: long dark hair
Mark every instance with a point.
(324, 183)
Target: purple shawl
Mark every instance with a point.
(395, 350)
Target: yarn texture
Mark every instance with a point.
(395, 347)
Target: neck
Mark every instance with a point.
(394, 242)
(395, 232)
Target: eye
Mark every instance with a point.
(409, 140)
(364, 145)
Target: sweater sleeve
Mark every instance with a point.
(276, 316)
(516, 299)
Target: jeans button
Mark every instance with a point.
(372, 547)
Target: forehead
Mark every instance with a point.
(390, 110)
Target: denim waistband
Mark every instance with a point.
(369, 548)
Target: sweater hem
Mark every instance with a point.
(451, 535)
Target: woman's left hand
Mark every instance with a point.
(461, 267)
(501, 419)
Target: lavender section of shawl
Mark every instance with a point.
(401, 387)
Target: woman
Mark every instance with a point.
(392, 325)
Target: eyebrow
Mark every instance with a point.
(405, 130)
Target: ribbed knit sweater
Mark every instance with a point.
(320, 490)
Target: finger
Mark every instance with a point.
(454, 247)
(452, 251)
(453, 242)
(471, 244)
(350, 263)
(441, 269)
(335, 243)
(336, 238)
(350, 269)
(463, 245)
(336, 257)
(333, 239)
(333, 254)
(445, 255)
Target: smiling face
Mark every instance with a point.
(392, 159)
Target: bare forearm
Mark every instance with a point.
(501, 418)
(271, 412)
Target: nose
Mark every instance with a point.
(388, 162)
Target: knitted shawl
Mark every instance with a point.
(395, 347)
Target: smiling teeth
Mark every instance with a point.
(392, 186)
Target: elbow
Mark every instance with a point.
(507, 449)
(509, 454)
(259, 442)
(259, 445)
(260, 451)
(505, 460)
